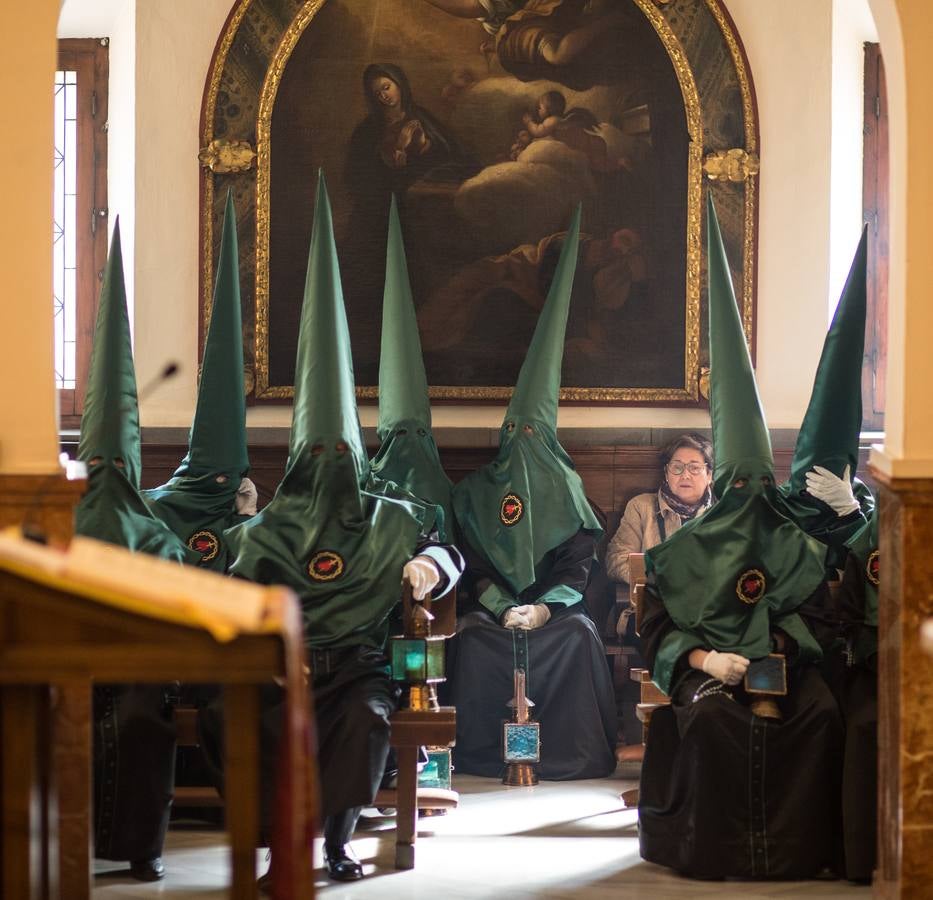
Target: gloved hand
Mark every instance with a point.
(729, 668)
(535, 615)
(515, 619)
(423, 576)
(246, 498)
(834, 492)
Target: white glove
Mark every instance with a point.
(246, 498)
(423, 576)
(834, 492)
(729, 668)
(515, 619)
(535, 615)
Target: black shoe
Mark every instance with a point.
(341, 865)
(148, 869)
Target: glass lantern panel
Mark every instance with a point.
(521, 742)
(436, 668)
(409, 659)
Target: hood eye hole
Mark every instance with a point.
(95, 461)
(766, 480)
(740, 483)
(510, 427)
(402, 431)
(317, 449)
(118, 462)
(422, 432)
(528, 429)
(341, 447)
(221, 479)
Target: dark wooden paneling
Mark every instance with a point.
(612, 475)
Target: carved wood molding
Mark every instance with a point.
(46, 502)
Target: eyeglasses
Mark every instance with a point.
(678, 468)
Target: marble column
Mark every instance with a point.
(905, 702)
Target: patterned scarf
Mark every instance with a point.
(686, 511)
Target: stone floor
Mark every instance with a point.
(556, 840)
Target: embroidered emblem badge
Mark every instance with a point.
(871, 568)
(511, 510)
(751, 586)
(206, 543)
(325, 565)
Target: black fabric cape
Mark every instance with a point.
(725, 793)
(134, 770)
(568, 678)
(859, 703)
(352, 705)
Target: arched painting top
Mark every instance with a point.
(639, 287)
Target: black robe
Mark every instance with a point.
(567, 679)
(134, 770)
(725, 793)
(354, 695)
(859, 702)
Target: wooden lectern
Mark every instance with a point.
(98, 613)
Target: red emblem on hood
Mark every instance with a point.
(751, 586)
(511, 509)
(206, 543)
(325, 565)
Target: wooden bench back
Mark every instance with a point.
(636, 569)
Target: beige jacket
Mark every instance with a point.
(639, 531)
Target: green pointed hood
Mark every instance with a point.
(110, 423)
(408, 454)
(199, 501)
(530, 499)
(340, 546)
(829, 435)
(218, 431)
(740, 435)
(755, 566)
(537, 391)
(112, 509)
(325, 393)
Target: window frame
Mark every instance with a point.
(90, 59)
(875, 212)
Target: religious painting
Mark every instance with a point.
(489, 130)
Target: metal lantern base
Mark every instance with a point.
(520, 775)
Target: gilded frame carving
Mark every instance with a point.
(252, 25)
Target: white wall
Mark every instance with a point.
(174, 43)
(789, 50)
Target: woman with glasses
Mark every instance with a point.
(684, 494)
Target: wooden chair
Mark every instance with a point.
(652, 697)
(186, 731)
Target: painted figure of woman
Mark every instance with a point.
(397, 145)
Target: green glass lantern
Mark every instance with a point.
(418, 660)
(417, 657)
(437, 772)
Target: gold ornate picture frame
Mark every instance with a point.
(285, 94)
